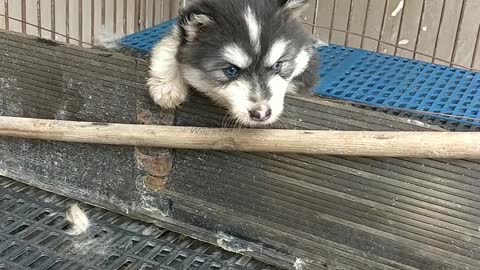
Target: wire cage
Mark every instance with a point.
(445, 32)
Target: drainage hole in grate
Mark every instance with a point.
(126, 265)
(111, 259)
(58, 265)
(6, 223)
(19, 229)
(145, 250)
(48, 240)
(162, 255)
(9, 250)
(33, 234)
(178, 260)
(39, 261)
(27, 211)
(24, 255)
(42, 215)
(196, 264)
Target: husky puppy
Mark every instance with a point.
(245, 55)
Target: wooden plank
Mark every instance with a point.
(97, 20)
(341, 21)
(131, 17)
(410, 28)
(120, 18)
(308, 18)
(467, 36)
(390, 28)
(159, 12)
(448, 31)
(430, 29)
(86, 21)
(174, 6)
(31, 17)
(45, 18)
(373, 26)
(60, 20)
(2, 18)
(15, 14)
(324, 20)
(73, 22)
(476, 54)
(149, 13)
(357, 21)
(109, 15)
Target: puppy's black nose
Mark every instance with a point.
(261, 114)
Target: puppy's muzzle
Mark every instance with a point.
(261, 113)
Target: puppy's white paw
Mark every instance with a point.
(166, 84)
(168, 95)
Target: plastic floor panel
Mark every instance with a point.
(33, 235)
(423, 90)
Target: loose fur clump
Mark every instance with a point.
(78, 220)
(245, 55)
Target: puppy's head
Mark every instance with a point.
(244, 54)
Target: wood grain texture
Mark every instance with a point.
(341, 143)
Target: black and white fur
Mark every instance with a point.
(245, 55)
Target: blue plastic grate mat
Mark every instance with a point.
(422, 90)
(33, 235)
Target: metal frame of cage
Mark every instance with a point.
(366, 24)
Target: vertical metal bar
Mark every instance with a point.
(154, 7)
(330, 33)
(163, 10)
(399, 33)
(144, 14)
(7, 21)
(39, 19)
(52, 18)
(103, 13)
(24, 16)
(67, 20)
(442, 15)
(172, 11)
(382, 26)
(475, 51)
(124, 23)
(349, 19)
(92, 22)
(137, 16)
(80, 22)
(420, 25)
(364, 30)
(459, 28)
(315, 16)
(115, 16)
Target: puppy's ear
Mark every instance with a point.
(191, 20)
(295, 7)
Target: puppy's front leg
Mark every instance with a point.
(166, 85)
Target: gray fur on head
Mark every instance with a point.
(246, 55)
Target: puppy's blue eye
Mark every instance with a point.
(232, 72)
(277, 67)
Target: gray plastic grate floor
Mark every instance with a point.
(33, 235)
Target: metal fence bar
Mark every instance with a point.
(475, 51)
(52, 18)
(378, 29)
(459, 28)
(422, 14)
